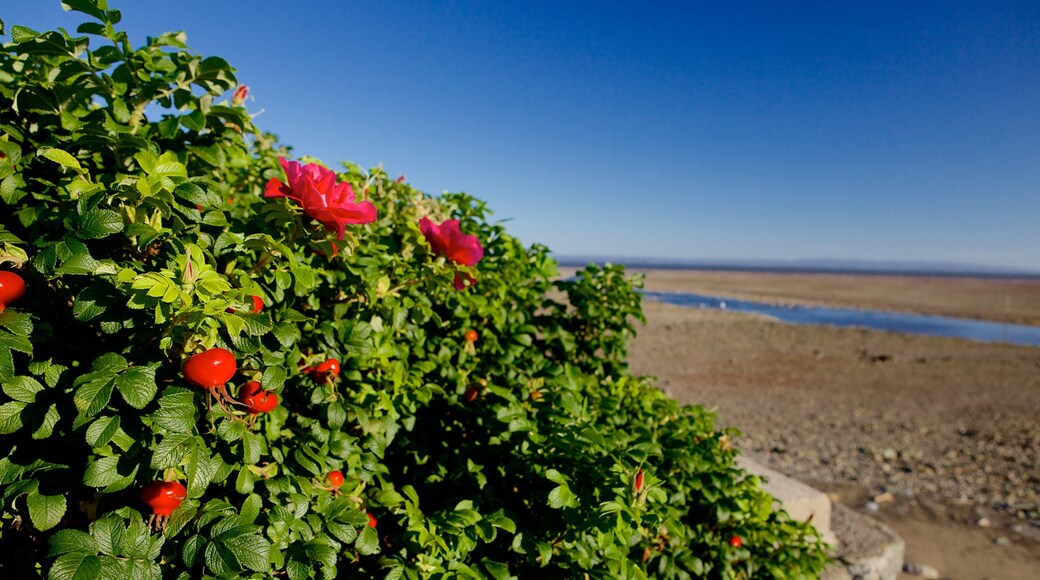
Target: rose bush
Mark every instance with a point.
(146, 215)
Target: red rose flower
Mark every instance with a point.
(315, 188)
(448, 240)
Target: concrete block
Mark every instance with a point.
(799, 500)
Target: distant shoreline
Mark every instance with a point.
(924, 271)
(989, 298)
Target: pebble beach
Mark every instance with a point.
(938, 437)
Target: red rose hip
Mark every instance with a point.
(257, 400)
(335, 479)
(12, 287)
(326, 371)
(163, 497)
(471, 336)
(736, 542)
(211, 368)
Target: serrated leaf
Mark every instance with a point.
(66, 541)
(99, 223)
(63, 158)
(367, 542)
(76, 566)
(176, 410)
(342, 532)
(109, 532)
(93, 396)
(22, 389)
(251, 508)
(250, 550)
(200, 471)
(102, 473)
(44, 424)
(172, 450)
(88, 7)
(11, 417)
(19, 323)
(191, 550)
(45, 511)
(220, 560)
(251, 448)
(137, 385)
(561, 497)
(102, 430)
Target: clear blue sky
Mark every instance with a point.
(905, 131)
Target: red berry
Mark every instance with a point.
(371, 520)
(163, 496)
(335, 479)
(736, 542)
(211, 368)
(11, 288)
(471, 336)
(258, 304)
(637, 483)
(327, 370)
(470, 395)
(257, 400)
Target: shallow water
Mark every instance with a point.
(873, 319)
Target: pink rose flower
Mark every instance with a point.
(448, 240)
(315, 188)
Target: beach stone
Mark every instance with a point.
(922, 570)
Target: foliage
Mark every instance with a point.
(133, 207)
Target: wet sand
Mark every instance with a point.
(943, 435)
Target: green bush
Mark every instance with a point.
(134, 210)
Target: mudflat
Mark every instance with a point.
(1014, 300)
(938, 437)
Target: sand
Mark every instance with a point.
(941, 434)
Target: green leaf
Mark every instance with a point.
(94, 395)
(220, 560)
(498, 570)
(99, 223)
(66, 541)
(21, 34)
(102, 473)
(343, 532)
(250, 550)
(102, 430)
(191, 550)
(22, 389)
(76, 566)
(172, 450)
(200, 471)
(176, 410)
(44, 423)
(45, 511)
(561, 497)
(251, 448)
(11, 417)
(19, 323)
(137, 385)
(63, 158)
(110, 532)
(367, 542)
(92, 8)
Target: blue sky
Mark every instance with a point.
(904, 131)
